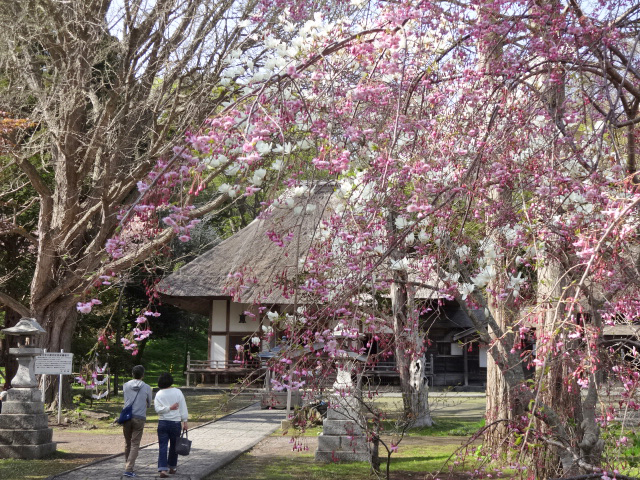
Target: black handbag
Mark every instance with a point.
(127, 412)
(183, 444)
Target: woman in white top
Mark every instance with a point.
(172, 409)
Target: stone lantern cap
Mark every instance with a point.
(25, 327)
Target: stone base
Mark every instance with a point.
(17, 407)
(340, 407)
(27, 452)
(342, 438)
(26, 437)
(345, 443)
(328, 457)
(24, 395)
(24, 427)
(21, 421)
(285, 425)
(341, 427)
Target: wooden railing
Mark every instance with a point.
(216, 367)
(205, 365)
(380, 369)
(386, 369)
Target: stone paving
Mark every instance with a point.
(214, 445)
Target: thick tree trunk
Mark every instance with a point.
(409, 346)
(503, 404)
(59, 320)
(560, 388)
(410, 359)
(416, 400)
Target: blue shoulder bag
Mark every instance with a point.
(127, 412)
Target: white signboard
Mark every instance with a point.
(51, 363)
(483, 357)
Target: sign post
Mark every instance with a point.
(51, 363)
(44, 383)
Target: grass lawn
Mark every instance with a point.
(410, 463)
(38, 469)
(422, 450)
(444, 427)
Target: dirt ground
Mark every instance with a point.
(83, 440)
(101, 445)
(85, 445)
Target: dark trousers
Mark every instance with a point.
(168, 433)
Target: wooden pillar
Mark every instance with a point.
(465, 356)
(189, 364)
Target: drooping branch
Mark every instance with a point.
(20, 230)
(14, 304)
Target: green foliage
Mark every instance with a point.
(175, 333)
(239, 214)
(632, 452)
(17, 253)
(168, 354)
(627, 452)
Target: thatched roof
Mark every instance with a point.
(252, 254)
(623, 330)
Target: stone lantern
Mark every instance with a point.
(24, 431)
(343, 437)
(27, 329)
(346, 360)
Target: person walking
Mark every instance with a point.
(172, 409)
(138, 394)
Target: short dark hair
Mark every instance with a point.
(138, 372)
(165, 380)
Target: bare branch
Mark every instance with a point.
(14, 304)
